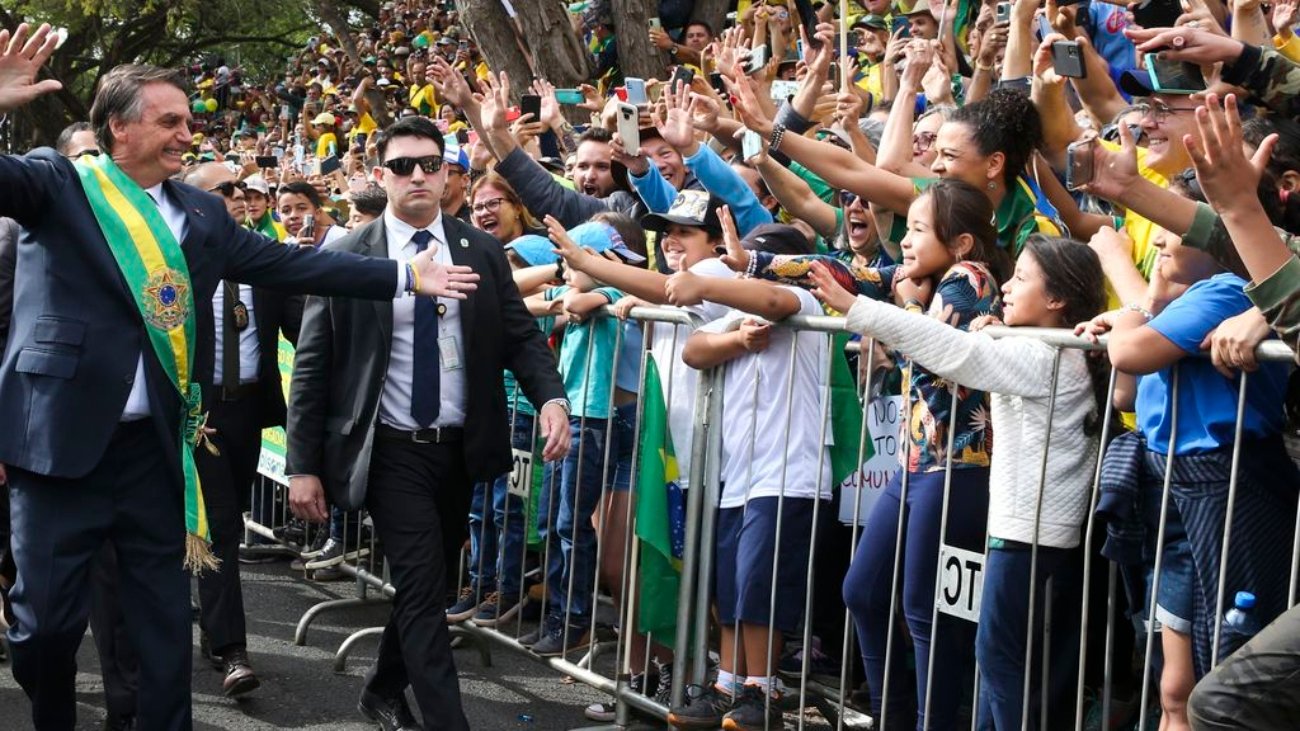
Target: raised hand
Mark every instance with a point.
(1114, 172)
(21, 58)
(496, 100)
(449, 83)
(737, 257)
(1284, 16)
(1184, 43)
(1227, 176)
(565, 246)
(551, 116)
(452, 281)
(829, 290)
(675, 126)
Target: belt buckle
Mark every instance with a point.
(437, 436)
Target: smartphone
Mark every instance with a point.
(568, 97)
(1157, 13)
(628, 129)
(636, 91)
(798, 48)
(1002, 13)
(718, 84)
(1067, 60)
(268, 161)
(757, 60)
(682, 78)
(463, 46)
(329, 165)
(1174, 77)
(1078, 157)
(308, 230)
(531, 104)
(783, 89)
(655, 24)
(751, 144)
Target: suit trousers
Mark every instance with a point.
(119, 665)
(132, 499)
(418, 496)
(227, 483)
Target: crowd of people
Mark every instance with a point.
(925, 170)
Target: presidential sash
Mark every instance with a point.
(155, 270)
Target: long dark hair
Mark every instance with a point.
(1072, 273)
(1282, 207)
(960, 208)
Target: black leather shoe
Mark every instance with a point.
(119, 723)
(239, 674)
(392, 714)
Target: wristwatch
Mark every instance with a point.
(564, 404)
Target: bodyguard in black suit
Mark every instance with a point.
(92, 420)
(400, 407)
(245, 396)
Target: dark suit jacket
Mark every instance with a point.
(274, 313)
(77, 332)
(342, 361)
(8, 263)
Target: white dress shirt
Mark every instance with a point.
(137, 402)
(249, 350)
(395, 400)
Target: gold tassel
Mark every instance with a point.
(199, 556)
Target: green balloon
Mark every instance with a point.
(420, 41)
(198, 107)
(211, 105)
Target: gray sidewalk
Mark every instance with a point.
(300, 690)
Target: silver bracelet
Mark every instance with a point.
(751, 269)
(1139, 309)
(778, 132)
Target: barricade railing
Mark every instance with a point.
(620, 551)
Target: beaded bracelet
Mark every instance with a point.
(412, 279)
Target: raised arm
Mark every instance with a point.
(797, 197)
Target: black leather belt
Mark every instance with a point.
(436, 435)
(237, 393)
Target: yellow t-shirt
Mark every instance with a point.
(1289, 48)
(324, 143)
(1138, 227)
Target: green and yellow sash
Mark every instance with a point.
(151, 260)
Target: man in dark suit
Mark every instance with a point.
(245, 396)
(401, 408)
(93, 419)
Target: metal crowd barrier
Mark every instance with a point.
(959, 572)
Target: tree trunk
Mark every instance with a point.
(637, 56)
(539, 42)
(713, 12)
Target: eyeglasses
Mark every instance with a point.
(404, 166)
(847, 197)
(491, 206)
(228, 188)
(923, 141)
(1160, 111)
(88, 151)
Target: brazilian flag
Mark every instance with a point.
(660, 513)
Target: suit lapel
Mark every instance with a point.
(461, 254)
(375, 243)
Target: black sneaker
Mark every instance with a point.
(752, 712)
(293, 532)
(497, 608)
(703, 707)
(317, 545)
(543, 628)
(554, 643)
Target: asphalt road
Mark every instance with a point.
(300, 689)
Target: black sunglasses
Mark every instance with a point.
(404, 166)
(228, 188)
(88, 151)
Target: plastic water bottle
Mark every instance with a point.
(1240, 622)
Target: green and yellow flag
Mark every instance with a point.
(660, 514)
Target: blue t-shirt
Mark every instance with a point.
(1105, 24)
(587, 358)
(1207, 402)
(628, 377)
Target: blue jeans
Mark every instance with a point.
(569, 499)
(868, 583)
(1000, 639)
(485, 563)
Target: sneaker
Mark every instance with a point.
(317, 546)
(330, 555)
(821, 668)
(606, 712)
(554, 645)
(703, 707)
(293, 532)
(543, 628)
(467, 604)
(331, 573)
(497, 608)
(664, 689)
(752, 712)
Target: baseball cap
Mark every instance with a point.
(689, 208)
(257, 184)
(903, 7)
(777, 238)
(455, 155)
(601, 237)
(1138, 82)
(324, 118)
(871, 20)
(534, 250)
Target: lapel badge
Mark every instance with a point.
(464, 244)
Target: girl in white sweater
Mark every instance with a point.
(1056, 282)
